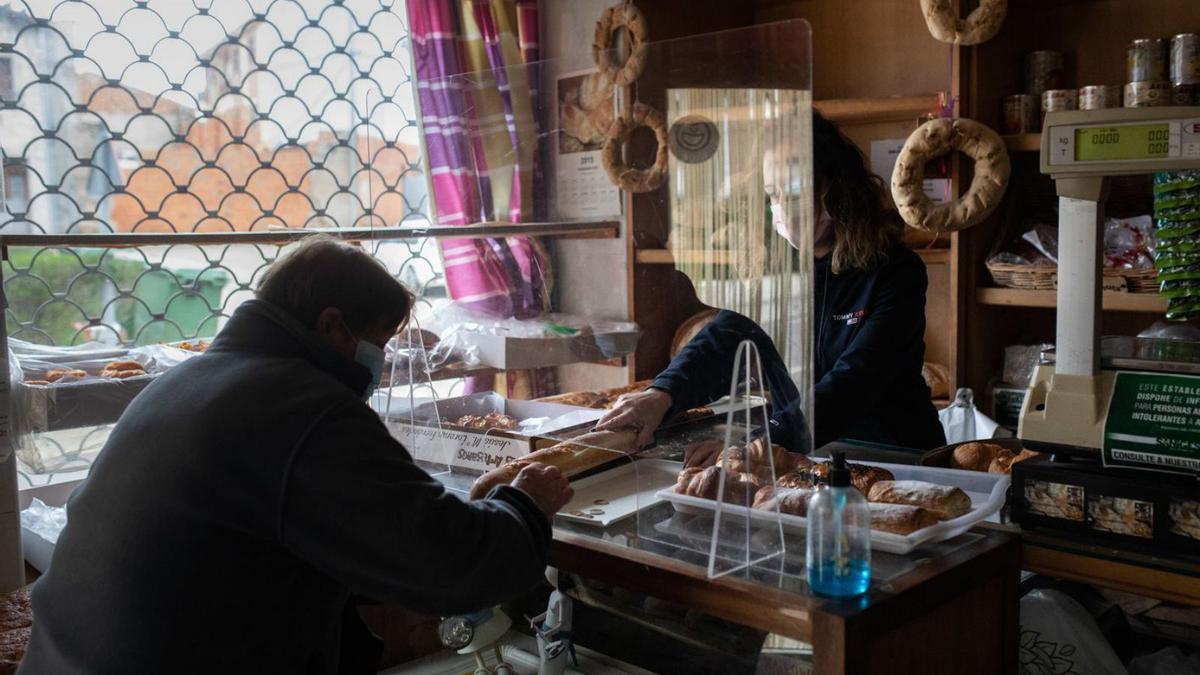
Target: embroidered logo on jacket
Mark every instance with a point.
(851, 318)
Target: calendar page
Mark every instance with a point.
(585, 111)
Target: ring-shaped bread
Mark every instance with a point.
(981, 24)
(934, 139)
(604, 51)
(627, 177)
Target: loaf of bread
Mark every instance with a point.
(571, 457)
(900, 518)
(986, 457)
(740, 488)
(944, 500)
(792, 501)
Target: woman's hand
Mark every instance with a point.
(642, 411)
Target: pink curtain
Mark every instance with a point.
(477, 76)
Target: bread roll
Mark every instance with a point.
(578, 454)
(900, 518)
(792, 501)
(944, 500)
(974, 456)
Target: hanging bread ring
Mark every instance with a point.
(981, 25)
(934, 139)
(604, 44)
(626, 177)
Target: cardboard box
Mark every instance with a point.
(431, 440)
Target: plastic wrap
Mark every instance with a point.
(1019, 362)
(1059, 636)
(1129, 243)
(963, 422)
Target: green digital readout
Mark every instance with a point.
(1114, 144)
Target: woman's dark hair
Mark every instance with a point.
(322, 272)
(865, 226)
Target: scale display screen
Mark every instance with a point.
(1125, 142)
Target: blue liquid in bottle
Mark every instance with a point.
(839, 537)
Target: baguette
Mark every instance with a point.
(578, 454)
(900, 518)
(945, 501)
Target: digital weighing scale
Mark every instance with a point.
(1067, 402)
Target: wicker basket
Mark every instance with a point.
(1045, 277)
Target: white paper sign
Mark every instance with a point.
(459, 449)
(883, 162)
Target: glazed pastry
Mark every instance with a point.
(862, 477)
(945, 501)
(123, 374)
(801, 477)
(900, 518)
(578, 454)
(117, 366)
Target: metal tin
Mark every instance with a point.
(1185, 59)
(1147, 94)
(1185, 94)
(1020, 113)
(1146, 60)
(1043, 70)
(1054, 100)
(1099, 96)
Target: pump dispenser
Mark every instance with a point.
(839, 536)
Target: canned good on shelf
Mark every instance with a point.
(1147, 94)
(1043, 70)
(1020, 113)
(1099, 96)
(1185, 94)
(1054, 100)
(1185, 59)
(1146, 60)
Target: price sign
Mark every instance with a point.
(1125, 142)
(1154, 422)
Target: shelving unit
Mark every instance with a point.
(1113, 300)
(1023, 142)
(876, 109)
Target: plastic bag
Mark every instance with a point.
(1019, 362)
(963, 422)
(1044, 238)
(1059, 637)
(1129, 242)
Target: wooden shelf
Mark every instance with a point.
(1113, 301)
(934, 256)
(1023, 142)
(663, 256)
(864, 110)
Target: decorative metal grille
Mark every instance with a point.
(178, 117)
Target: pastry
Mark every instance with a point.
(900, 518)
(37, 383)
(123, 374)
(792, 501)
(65, 374)
(197, 346)
(578, 454)
(802, 477)
(488, 422)
(118, 366)
(937, 378)
(934, 139)
(945, 501)
(861, 476)
(735, 460)
(981, 25)
(740, 488)
(986, 457)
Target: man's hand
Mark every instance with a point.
(642, 411)
(546, 485)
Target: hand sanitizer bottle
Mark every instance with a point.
(839, 536)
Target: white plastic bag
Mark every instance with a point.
(1059, 637)
(963, 422)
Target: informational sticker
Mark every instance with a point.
(1184, 517)
(459, 449)
(1154, 422)
(1054, 500)
(1131, 517)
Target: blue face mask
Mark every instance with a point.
(371, 357)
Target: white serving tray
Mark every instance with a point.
(986, 490)
(622, 491)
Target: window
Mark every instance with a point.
(6, 77)
(16, 188)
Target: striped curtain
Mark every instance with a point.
(477, 77)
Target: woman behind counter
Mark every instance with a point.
(869, 301)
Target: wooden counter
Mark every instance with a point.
(950, 612)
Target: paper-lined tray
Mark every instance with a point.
(986, 490)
